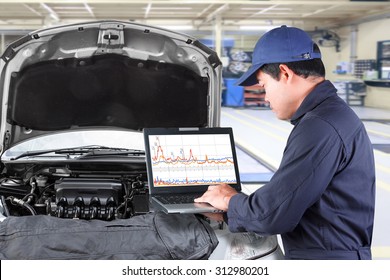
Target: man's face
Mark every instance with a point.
(278, 94)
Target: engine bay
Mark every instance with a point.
(106, 192)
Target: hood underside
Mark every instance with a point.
(106, 74)
(107, 90)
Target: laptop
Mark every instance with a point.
(183, 162)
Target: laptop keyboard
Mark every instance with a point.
(177, 199)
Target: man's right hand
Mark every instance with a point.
(218, 196)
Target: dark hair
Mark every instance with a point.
(305, 68)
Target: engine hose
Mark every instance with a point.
(25, 205)
(30, 208)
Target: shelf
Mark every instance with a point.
(378, 83)
(351, 92)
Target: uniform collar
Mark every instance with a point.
(321, 92)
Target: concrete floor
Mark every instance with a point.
(259, 133)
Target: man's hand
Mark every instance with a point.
(218, 196)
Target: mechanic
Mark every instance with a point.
(321, 200)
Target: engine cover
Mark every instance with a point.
(87, 198)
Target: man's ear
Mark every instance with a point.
(285, 73)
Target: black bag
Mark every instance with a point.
(150, 236)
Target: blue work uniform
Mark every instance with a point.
(322, 198)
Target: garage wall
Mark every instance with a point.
(367, 36)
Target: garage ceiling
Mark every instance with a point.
(196, 16)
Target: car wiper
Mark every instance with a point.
(76, 150)
(112, 152)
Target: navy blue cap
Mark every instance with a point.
(279, 45)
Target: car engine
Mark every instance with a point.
(90, 198)
(64, 194)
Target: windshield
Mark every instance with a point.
(108, 138)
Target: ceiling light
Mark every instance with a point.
(148, 10)
(52, 13)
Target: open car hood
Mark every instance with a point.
(106, 74)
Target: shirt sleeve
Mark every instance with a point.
(313, 154)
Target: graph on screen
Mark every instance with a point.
(182, 160)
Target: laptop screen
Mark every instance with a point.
(190, 159)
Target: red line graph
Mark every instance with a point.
(159, 157)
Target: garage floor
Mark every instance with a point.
(261, 137)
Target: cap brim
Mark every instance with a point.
(249, 77)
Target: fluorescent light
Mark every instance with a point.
(52, 13)
(148, 10)
(89, 9)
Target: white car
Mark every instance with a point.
(75, 100)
